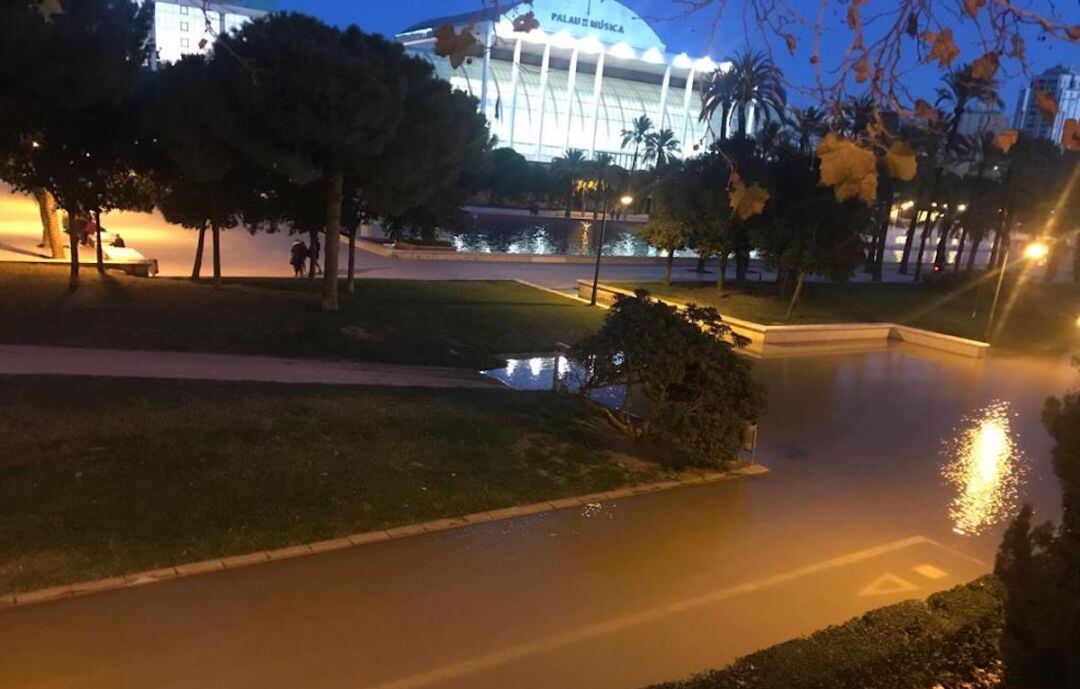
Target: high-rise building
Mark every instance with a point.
(577, 81)
(183, 27)
(1063, 85)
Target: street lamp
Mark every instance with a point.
(1035, 251)
(626, 200)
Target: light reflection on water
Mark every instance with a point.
(985, 466)
(538, 373)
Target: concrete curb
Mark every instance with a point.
(125, 581)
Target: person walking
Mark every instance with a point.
(298, 254)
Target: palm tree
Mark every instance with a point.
(758, 83)
(856, 114)
(961, 88)
(637, 134)
(809, 123)
(719, 94)
(661, 147)
(568, 169)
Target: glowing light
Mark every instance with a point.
(985, 468)
(624, 51)
(683, 61)
(962, 207)
(1036, 251)
(536, 366)
(654, 56)
(907, 205)
(626, 200)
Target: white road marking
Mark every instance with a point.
(496, 658)
(931, 572)
(887, 585)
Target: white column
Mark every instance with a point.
(571, 83)
(686, 108)
(487, 69)
(598, 86)
(664, 88)
(515, 74)
(543, 97)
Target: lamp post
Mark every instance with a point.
(1036, 251)
(626, 200)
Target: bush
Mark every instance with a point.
(910, 645)
(686, 387)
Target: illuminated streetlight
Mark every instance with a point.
(962, 207)
(625, 200)
(1034, 252)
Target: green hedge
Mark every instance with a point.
(910, 645)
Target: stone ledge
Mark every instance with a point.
(267, 556)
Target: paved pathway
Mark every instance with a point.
(20, 359)
(854, 515)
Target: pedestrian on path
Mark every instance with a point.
(313, 253)
(298, 254)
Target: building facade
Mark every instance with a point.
(184, 27)
(578, 81)
(1063, 85)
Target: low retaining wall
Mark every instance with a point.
(792, 339)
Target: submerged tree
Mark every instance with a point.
(699, 393)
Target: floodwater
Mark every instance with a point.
(953, 441)
(893, 473)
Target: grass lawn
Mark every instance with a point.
(104, 476)
(456, 323)
(1042, 320)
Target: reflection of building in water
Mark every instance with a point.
(576, 82)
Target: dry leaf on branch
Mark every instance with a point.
(1005, 140)
(457, 47)
(1047, 105)
(1070, 135)
(925, 112)
(986, 67)
(792, 43)
(526, 22)
(848, 168)
(862, 69)
(972, 6)
(50, 7)
(1073, 32)
(900, 159)
(1019, 48)
(942, 47)
(747, 201)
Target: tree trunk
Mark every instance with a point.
(972, 254)
(200, 248)
(333, 238)
(73, 240)
(700, 268)
(879, 252)
(991, 263)
(725, 114)
(721, 276)
(795, 295)
(742, 264)
(97, 241)
(350, 283)
(569, 202)
(959, 250)
(927, 229)
(51, 235)
(909, 238)
(1051, 262)
(215, 235)
(670, 263)
(941, 253)
(312, 259)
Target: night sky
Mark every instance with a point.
(695, 36)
